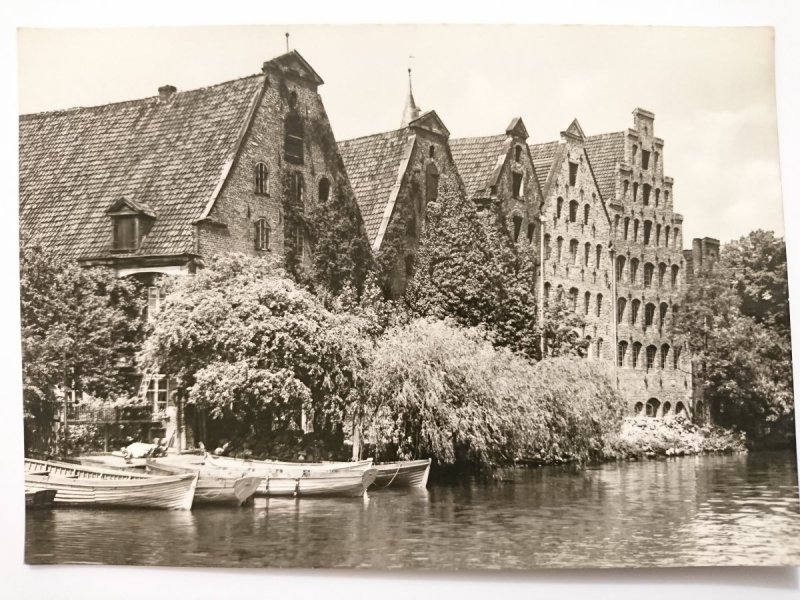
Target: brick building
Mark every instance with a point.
(154, 186)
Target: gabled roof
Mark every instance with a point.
(542, 156)
(168, 155)
(374, 164)
(124, 205)
(605, 152)
(293, 64)
(575, 130)
(477, 160)
(430, 121)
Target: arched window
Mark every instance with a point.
(573, 211)
(547, 247)
(587, 251)
(650, 356)
(531, 232)
(588, 340)
(622, 349)
(546, 291)
(598, 254)
(666, 236)
(625, 185)
(262, 179)
(620, 267)
(324, 190)
(658, 194)
(518, 153)
(648, 228)
(634, 270)
(680, 409)
(262, 235)
(648, 274)
(573, 299)
(585, 214)
(573, 252)
(637, 409)
(635, 191)
(674, 277)
(600, 348)
(635, 351)
(635, 304)
(293, 139)
(599, 305)
(298, 189)
(646, 194)
(587, 300)
(676, 355)
(662, 363)
(666, 408)
(559, 207)
(666, 199)
(658, 234)
(649, 313)
(559, 293)
(431, 183)
(636, 230)
(651, 408)
(662, 270)
(626, 226)
(559, 248)
(621, 302)
(662, 314)
(674, 315)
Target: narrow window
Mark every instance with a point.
(674, 278)
(587, 251)
(573, 211)
(645, 160)
(648, 228)
(559, 206)
(635, 350)
(636, 230)
(324, 190)
(547, 291)
(262, 235)
(599, 305)
(646, 194)
(573, 252)
(587, 301)
(674, 315)
(600, 348)
(658, 234)
(573, 299)
(293, 138)
(547, 247)
(634, 270)
(431, 151)
(616, 226)
(625, 185)
(516, 185)
(597, 254)
(662, 270)
(153, 301)
(300, 241)
(649, 313)
(431, 183)
(658, 195)
(517, 227)
(666, 236)
(559, 248)
(676, 354)
(620, 267)
(655, 161)
(651, 356)
(635, 191)
(648, 274)
(573, 173)
(262, 179)
(585, 214)
(662, 315)
(531, 232)
(635, 304)
(675, 238)
(622, 349)
(663, 357)
(627, 225)
(518, 153)
(621, 302)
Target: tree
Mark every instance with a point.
(560, 328)
(468, 269)
(250, 347)
(77, 323)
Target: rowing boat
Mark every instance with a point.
(407, 473)
(39, 498)
(342, 483)
(81, 485)
(265, 467)
(214, 486)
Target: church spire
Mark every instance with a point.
(411, 110)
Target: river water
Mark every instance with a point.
(711, 510)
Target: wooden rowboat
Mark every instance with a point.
(343, 483)
(39, 498)
(265, 467)
(407, 473)
(214, 486)
(81, 485)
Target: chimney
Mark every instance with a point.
(165, 92)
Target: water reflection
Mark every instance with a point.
(688, 511)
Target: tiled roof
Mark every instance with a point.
(605, 151)
(167, 155)
(373, 164)
(476, 160)
(542, 157)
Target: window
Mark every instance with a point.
(126, 232)
(649, 313)
(600, 348)
(516, 185)
(674, 276)
(573, 299)
(324, 190)
(648, 228)
(636, 230)
(662, 314)
(585, 214)
(158, 393)
(648, 274)
(517, 226)
(616, 226)
(675, 238)
(431, 183)
(658, 234)
(620, 267)
(547, 247)
(635, 304)
(587, 301)
(662, 363)
(573, 252)
(518, 153)
(650, 356)
(573, 173)
(573, 211)
(559, 206)
(634, 270)
(666, 198)
(645, 160)
(621, 302)
(662, 270)
(300, 241)
(587, 251)
(680, 409)
(637, 409)
(293, 138)
(667, 407)
(298, 189)
(559, 247)
(658, 194)
(153, 301)
(431, 151)
(627, 224)
(262, 179)
(674, 315)
(676, 355)
(547, 291)
(598, 253)
(655, 161)
(666, 236)
(651, 408)
(531, 232)
(262, 235)
(625, 185)
(622, 349)
(646, 194)
(635, 191)
(635, 351)
(599, 305)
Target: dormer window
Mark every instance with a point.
(262, 179)
(130, 223)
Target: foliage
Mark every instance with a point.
(437, 390)
(560, 327)
(469, 269)
(734, 320)
(253, 349)
(77, 323)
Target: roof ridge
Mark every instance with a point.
(371, 135)
(74, 109)
(498, 136)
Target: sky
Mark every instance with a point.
(712, 89)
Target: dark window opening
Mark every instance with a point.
(559, 207)
(126, 232)
(559, 247)
(648, 274)
(573, 252)
(517, 227)
(516, 184)
(648, 226)
(531, 232)
(620, 267)
(573, 211)
(585, 214)
(431, 183)
(587, 251)
(262, 179)
(262, 235)
(622, 349)
(324, 190)
(635, 351)
(518, 153)
(651, 356)
(587, 301)
(573, 173)
(645, 159)
(635, 191)
(649, 313)
(662, 314)
(431, 151)
(298, 189)
(651, 408)
(621, 302)
(573, 299)
(634, 270)
(662, 270)
(663, 358)
(646, 194)
(635, 304)
(293, 139)
(598, 253)
(599, 313)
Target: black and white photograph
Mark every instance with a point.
(403, 297)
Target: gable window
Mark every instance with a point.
(585, 214)
(645, 159)
(262, 235)
(431, 183)
(294, 138)
(573, 173)
(262, 179)
(517, 226)
(324, 190)
(518, 153)
(130, 222)
(516, 184)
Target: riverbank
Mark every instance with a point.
(643, 437)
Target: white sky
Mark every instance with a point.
(712, 90)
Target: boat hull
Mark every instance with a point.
(266, 467)
(351, 485)
(411, 473)
(40, 498)
(213, 486)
